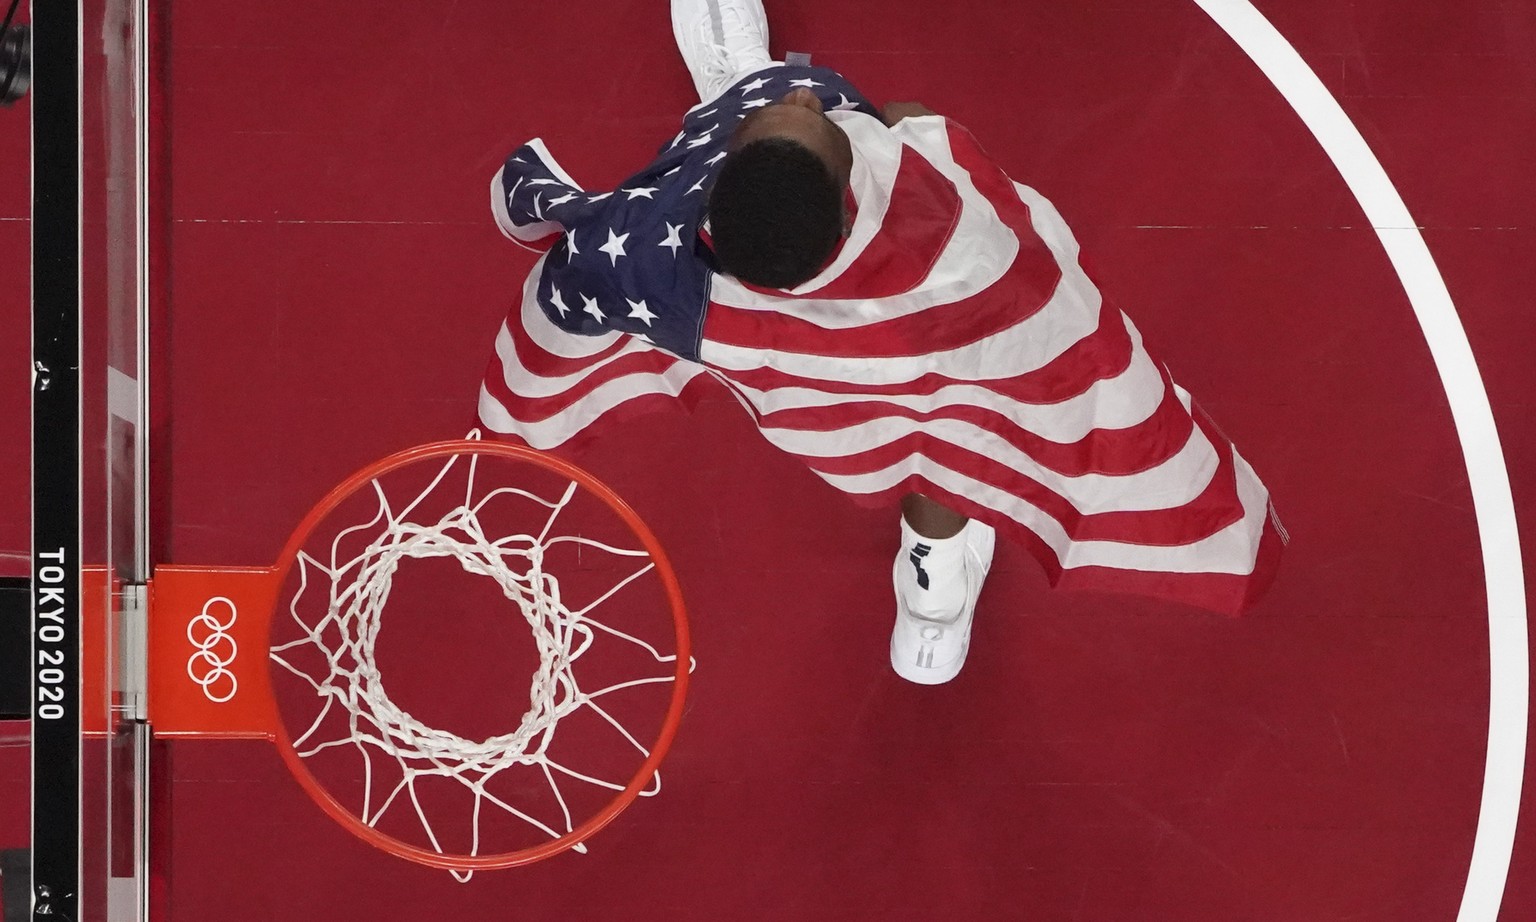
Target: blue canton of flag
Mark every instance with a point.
(630, 260)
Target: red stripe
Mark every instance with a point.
(1223, 593)
(534, 409)
(645, 405)
(1023, 289)
(1104, 353)
(540, 244)
(545, 364)
(1214, 509)
(1102, 451)
(919, 222)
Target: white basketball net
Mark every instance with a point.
(358, 589)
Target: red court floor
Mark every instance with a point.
(334, 282)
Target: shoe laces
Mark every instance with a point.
(721, 61)
(717, 61)
(733, 25)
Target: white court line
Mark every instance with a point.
(1508, 661)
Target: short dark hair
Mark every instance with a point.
(775, 213)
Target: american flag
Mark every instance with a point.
(954, 347)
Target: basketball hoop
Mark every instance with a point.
(567, 556)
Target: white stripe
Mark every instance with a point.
(1051, 227)
(1071, 314)
(1175, 482)
(1503, 573)
(525, 383)
(1121, 402)
(553, 431)
(549, 337)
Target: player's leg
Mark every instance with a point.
(721, 41)
(942, 563)
(930, 519)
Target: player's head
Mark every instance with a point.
(776, 209)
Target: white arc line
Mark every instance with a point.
(1508, 660)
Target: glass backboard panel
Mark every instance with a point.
(113, 249)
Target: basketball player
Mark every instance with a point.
(893, 310)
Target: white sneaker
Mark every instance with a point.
(720, 40)
(929, 649)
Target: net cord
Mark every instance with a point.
(356, 592)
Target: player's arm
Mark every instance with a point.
(534, 199)
(896, 111)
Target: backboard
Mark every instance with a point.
(90, 534)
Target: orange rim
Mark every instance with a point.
(658, 750)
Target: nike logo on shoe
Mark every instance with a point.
(919, 551)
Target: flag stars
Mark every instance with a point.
(644, 193)
(614, 247)
(639, 311)
(589, 306)
(558, 302)
(567, 197)
(754, 86)
(704, 138)
(755, 103)
(599, 198)
(807, 83)
(696, 187)
(570, 242)
(674, 237)
(845, 104)
(715, 159)
(544, 182)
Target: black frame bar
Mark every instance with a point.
(56, 640)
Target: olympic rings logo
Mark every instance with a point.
(215, 653)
